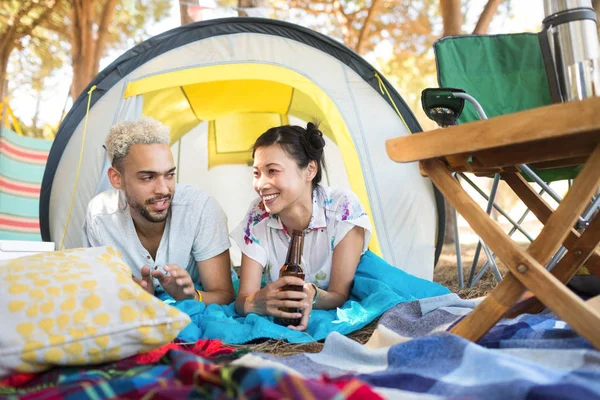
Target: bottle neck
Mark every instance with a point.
(294, 255)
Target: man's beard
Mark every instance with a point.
(144, 211)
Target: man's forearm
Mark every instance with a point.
(222, 297)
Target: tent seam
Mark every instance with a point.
(368, 160)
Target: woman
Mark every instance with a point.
(288, 164)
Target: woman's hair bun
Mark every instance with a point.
(315, 136)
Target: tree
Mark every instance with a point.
(452, 17)
(18, 20)
(51, 33)
(411, 27)
(183, 12)
(30, 69)
(85, 29)
(452, 20)
(96, 24)
(242, 4)
(87, 48)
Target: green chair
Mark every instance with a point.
(483, 76)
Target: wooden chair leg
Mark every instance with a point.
(524, 266)
(567, 267)
(542, 211)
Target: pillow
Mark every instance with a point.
(77, 307)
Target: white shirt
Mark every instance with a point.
(263, 238)
(195, 230)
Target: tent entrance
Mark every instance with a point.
(236, 111)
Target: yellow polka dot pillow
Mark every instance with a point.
(77, 307)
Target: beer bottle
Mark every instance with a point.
(292, 267)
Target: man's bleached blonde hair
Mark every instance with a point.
(122, 136)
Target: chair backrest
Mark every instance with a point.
(505, 73)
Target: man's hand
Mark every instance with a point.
(178, 284)
(146, 280)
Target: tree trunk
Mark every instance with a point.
(340, 15)
(5, 49)
(183, 12)
(363, 36)
(452, 17)
(248, 4)
(452, 21)
(83, 45)
(9, 38)
(486, 17)
(87, 48)
(106, 19)
(34, 120)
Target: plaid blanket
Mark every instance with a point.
(410, 355)
(181, 374)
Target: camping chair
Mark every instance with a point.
(543, 138)
(519, 83)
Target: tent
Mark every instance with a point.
(220, 83)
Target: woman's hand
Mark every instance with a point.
(269, 300)
(310, 292)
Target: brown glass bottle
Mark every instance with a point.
(292, 267)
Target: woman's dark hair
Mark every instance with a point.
(303, 145)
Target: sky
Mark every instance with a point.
(526, 16)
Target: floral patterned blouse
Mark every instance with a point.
(263, 237)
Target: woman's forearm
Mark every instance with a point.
(329, 300)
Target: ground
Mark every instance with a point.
(445, 273)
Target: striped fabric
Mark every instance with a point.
(181, 374)
(22, 163)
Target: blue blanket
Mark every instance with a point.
(411, 355)
(377, 288)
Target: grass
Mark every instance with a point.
(445, 273)
(282, 348)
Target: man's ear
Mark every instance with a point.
(311, 170)
(115, 178)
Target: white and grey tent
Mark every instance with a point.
(219, 84)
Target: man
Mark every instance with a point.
(172, 236)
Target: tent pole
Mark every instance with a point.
(178, 157)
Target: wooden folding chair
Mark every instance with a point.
(545, 137)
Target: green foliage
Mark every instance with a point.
(132, 19)
(47, 47)
(398, 39)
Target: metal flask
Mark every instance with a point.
(570, 28)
